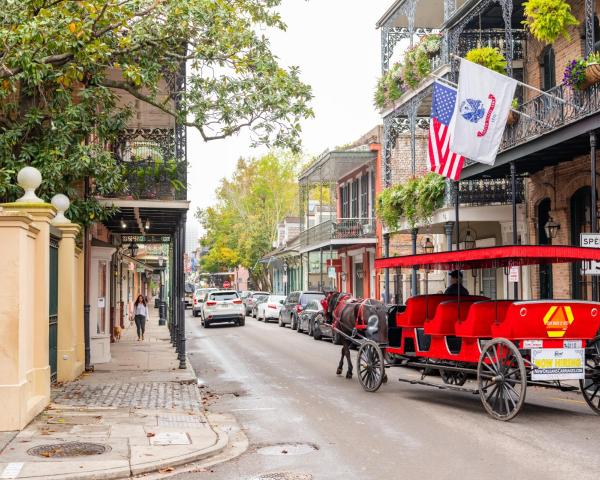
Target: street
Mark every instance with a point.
(282, 387)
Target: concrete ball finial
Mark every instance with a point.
(29, 179)
(61, 203)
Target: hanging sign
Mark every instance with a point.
(331, 272)
(590, 240)
(146, 238)
(513, 274)
(558, 363)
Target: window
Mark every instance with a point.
(221, 296)
(548, 68)
(345, 201)
(354, 202)
(307, 297)
(364, 196)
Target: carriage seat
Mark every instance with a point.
(420, 307)
(423, 307)
(538, 319)
(448, 313)
(481, 317)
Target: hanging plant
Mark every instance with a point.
(416, 66)
(548, 19)
(431, 44)
(582, 73)
(389, 87)
(489, 57)
(415, 200)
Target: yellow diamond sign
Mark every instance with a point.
(557, 320)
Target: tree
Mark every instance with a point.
(260, 194)
(63, 62)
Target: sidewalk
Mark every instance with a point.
(139, 413)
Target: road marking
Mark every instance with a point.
(12, 470)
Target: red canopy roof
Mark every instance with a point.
(492, 257)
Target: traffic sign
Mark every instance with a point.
(590, 240)
(226, 284)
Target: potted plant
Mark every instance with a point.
(548, 19)
(513, 117)
(582, 73)
(431, 44)
(489, 57)
(416, 66)
(389, 87)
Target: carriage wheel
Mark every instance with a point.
(371, 368)
(590, 387)
(502, 379)
(453, 378)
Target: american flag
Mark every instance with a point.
(441, 159)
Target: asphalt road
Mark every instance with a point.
(282, 387)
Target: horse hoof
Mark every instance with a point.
(349, 375)
(338, 371)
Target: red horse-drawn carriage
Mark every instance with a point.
(505, 344)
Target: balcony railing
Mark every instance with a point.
(340, 229)
(542, 114)
(485, 191)
(470, 39)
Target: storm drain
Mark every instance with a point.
(68, 449)
(283, 476)
(287, 449)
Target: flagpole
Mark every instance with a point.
(454, 84)
(526, 85)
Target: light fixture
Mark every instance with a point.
(161, 260)
(469, 239)
(285, 266)
(147, 225)
(123, 224)
(133, 248)
(428, 246)
(344, 275)
(551, 228)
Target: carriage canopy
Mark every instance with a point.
(492, 257)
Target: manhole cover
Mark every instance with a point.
(282, 476)
(68, 449)
(287, 449)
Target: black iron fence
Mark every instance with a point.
(470, 39)
(340, 229)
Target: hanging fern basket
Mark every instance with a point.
(592, 76)
(513, 118)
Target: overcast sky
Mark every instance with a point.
(336, 46)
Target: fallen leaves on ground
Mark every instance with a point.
(165, 470)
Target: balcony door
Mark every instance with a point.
(580, 223)
(545, 279)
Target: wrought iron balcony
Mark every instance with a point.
(470, 39)
(542, 114)
(338, 230)
(485, 191)
(152, 165)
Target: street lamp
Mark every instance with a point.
(161, 260)
(551, 228)
(427, 246)
(133, 248)
(469, 239)
(147, 225)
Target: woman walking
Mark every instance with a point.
(141, 314)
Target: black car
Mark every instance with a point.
(308, 317)
(294, 305)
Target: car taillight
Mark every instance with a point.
(195, 301)
(298, 308)
(211, 304)
(271, 305)
(237, 302)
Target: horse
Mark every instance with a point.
(346, 313)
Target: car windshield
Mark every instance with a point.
(221, 296)
(259, 294)
(189, 288)
(307, 297)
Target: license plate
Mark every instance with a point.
(558, 364)
(572, 344)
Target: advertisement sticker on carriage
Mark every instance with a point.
(558, 363)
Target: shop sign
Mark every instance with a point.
(590, 240)
(145, 239)
(558, 364)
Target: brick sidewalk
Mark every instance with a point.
(143, 410)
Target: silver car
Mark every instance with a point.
(223, 306)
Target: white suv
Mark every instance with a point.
(223, 306)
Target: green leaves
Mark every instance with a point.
(489, 57)
(548, 19)
(415, 200)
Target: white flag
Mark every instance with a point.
(483, 101)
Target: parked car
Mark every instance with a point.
(257, 301)
(189, 293)
(269, 310)
(222, 306)
(306, 319)
(250, 299)
(294, 304)
(198, 299)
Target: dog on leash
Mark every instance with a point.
(117, 333)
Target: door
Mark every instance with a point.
(580, 223)
(101, 325)
(359, 274)
(543, 215)
(53, 310)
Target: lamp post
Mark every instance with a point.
(162, 310)
(285, 277)
(469, 239)
(428, 247)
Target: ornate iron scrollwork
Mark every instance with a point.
(589, 26)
